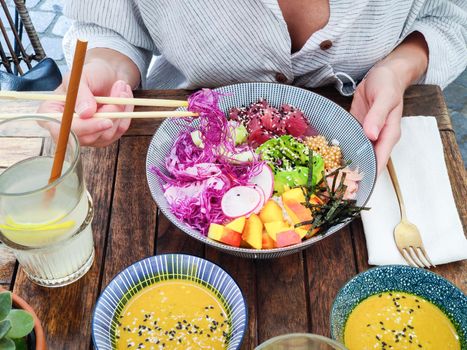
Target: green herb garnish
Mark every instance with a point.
(334, 208)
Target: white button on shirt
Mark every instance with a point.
(208, 43)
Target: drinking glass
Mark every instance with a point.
(46, 225)
(300, 341)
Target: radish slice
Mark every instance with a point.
(265, 180)
(240, 201)
(263, 199)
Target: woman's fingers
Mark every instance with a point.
(120, 89)
(375, 119)
(359, 107)
(87, 130)
(388, 137)
(86, 104)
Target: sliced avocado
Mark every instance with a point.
(298, 176)
(291, 179)
(241, 134)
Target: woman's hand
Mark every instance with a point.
(100, 77)
(377, 104)
(378, 100)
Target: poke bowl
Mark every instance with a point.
(323, 144)
(398, 306)
(170, 301)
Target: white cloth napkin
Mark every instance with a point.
(419, 162)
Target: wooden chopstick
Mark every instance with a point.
(16, 95)
(109, 115)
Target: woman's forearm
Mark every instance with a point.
(409, 60)
(122, 66)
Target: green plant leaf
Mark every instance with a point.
(22, 324)
(7, 344)
(5, 304)
(21, 343)
(5, 326)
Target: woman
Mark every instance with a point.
(388, 44)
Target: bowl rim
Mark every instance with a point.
(263, 253)
(160, 256)
(320, 337)
(385, 267)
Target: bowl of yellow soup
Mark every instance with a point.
(171, 301)
(400, 307)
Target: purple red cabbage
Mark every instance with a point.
(199, 177)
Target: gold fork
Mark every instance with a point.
(407, 237)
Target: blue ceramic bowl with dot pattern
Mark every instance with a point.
(327, 117)
(161, 268)
(428, 285)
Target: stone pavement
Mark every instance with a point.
(51, 25)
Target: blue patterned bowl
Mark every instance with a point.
(166, 267)
(327, 117)
(423, 283)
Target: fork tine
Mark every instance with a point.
(414, 256)
(425, 256)
(421, 257)
(407, 257)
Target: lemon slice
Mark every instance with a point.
(11, 225)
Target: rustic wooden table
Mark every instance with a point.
(290, 294)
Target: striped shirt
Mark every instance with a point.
(208, 43)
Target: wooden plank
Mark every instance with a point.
(457, 173)
(66, 312)
(281, 297)
(133, 216)
(7, 265)
(427, 100)
(361, 253)
(172, 240)
(243, 272)
(15, 149)
(330, 264)
(19, 106)
(455, 272)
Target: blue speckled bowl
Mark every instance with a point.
(407, 279)
(166, 267)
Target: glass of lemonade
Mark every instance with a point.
(47, 226)
(300, 341)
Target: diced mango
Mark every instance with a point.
(252, 233)
(297, 212)
(287, 238)
(225, 235)
(237, 225)
(215, 231)
(301, 231)
(295, 194)
(270, 212)
(273, 228)
(267, 242)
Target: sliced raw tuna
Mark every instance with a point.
(258, 137)
(295, 124)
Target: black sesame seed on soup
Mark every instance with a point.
(174, 314)
(397, 320)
